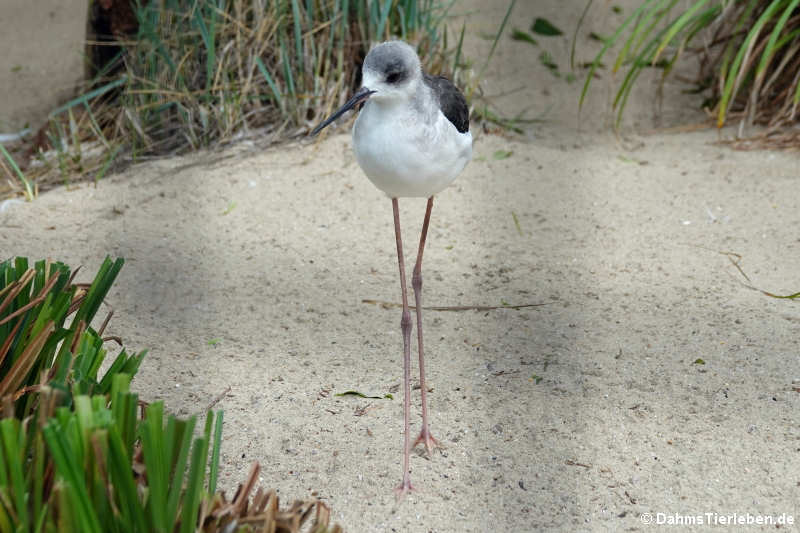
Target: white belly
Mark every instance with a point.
(405, 157)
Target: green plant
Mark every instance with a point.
(50, 356)
(750, 55)
(94, 447)
(200, 72)
(203, 71)
(96, 469)
(38, 348)
(75, 456)
(7, 161)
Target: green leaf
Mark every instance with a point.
(641, 32)
(516, 222)
(497, 37)
(85, 98)
(151, 433)
(597, 37)
(121, 475)
(216, 444)
(384, 15)
(698, 361)
(194, 486)
(793, 296)
(12, 440)
(769, 50)
(209, 37)
(547, 60)
(112, 155)
(519, 35)
(275, 93)
(575, 34)
(457, 55)
(231, 207)
(735, 76)
(68, 460)
(99, 289)
(502, 154)
(29, 190)
(180, 432)
(678, 25)
(298, 34)
(608, 43)
(544, 27)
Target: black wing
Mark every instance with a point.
(451, 101)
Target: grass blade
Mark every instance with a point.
(208, 42)
(384, 15)
(183, 438)
(91, 95)
(733, 82)
(270, 82)
(29, 192)
(12, 436)
(216, 444)
(677, 26)
(194, 486)
(298, 35)
(608, 44)
(769, 50)
(575, 35)
(65, 460)
(497, 37)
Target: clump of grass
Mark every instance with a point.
(202, 72)
(79, 452)
(39, 348)
(749, 52)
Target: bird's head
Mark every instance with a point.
(391, 72)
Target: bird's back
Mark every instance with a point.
(451, 101)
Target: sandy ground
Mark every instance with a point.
(579, 415)
(41, 59)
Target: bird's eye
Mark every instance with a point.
(393, 77)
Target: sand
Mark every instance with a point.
(247, 269)
(42, 60)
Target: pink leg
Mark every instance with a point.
(425, 436)
(405, 325)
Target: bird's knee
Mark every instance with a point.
(416, 280)
(405, 321)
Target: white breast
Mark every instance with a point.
(406, 154)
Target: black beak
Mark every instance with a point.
(357, 98)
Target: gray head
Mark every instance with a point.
(392, 70)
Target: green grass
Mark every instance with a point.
(750, 54)
(205, 71)
(201, 73)
(79, 452)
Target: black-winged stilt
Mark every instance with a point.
(411, 139)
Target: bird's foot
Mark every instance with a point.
(403, 488)
(427, 440)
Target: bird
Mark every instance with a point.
(411, 138)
